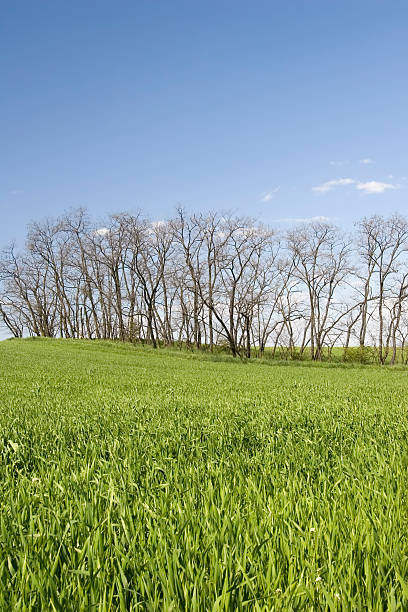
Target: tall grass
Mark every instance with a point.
(140, 480)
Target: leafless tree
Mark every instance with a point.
(321, 262)
(382, 244)
(209, 280)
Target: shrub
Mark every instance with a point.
(360, 354)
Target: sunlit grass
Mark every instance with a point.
(159, 480)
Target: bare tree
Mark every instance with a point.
(208, 279)
(382, 243)
(320, 256)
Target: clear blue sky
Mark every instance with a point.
(121, 105)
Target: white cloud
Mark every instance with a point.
(155, 226)
(267, 196)
(329, 185)
(366, 160)
(102, 231)
(343, 162)
(371, 187)
(317, 219)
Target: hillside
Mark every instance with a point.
(164, 480)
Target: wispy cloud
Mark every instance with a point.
(371, 187)
(366, 161)
(15, 192)
(267, 196)
(317, 219)
(341, 162)
(102, 231)
(329, 185)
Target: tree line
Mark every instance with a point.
(210, 281)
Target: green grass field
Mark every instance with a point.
(134, 479)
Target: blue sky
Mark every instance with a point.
(225, 105)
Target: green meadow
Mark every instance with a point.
(135, 479)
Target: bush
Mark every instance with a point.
(360, 354)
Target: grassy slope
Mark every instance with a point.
(167, 481)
